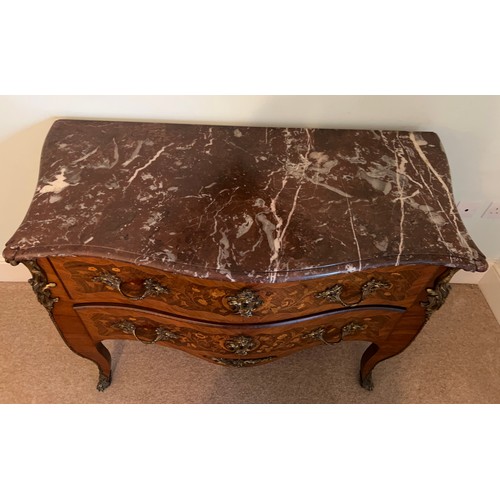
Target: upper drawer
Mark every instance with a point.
(97, 280)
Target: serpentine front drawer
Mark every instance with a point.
(217, 342)
(98, 280)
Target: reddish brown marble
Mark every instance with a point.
(244, 203)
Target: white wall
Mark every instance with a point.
(469, 127)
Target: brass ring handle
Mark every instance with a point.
(349, 329)
(150, 286)
(162, 333)
(332, 294)
(318, 334)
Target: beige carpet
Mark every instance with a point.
(456, 359)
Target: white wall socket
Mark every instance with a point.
(493, 211)
(468, 208)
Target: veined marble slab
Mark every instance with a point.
(244, 203)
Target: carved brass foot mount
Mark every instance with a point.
(366, 382)
(104, 381)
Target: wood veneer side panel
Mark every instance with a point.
(71, 329)
(404, 333)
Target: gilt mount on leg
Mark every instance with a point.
(41, 286)
(104, 381)
(437, 295)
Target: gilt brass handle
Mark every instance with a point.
(245, 302)
(352, 328)
(333, 293)
(151, 287)
(161, 332)
(349, 329)
(318, 334)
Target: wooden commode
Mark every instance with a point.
(241, 245)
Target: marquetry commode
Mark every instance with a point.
(241, 245)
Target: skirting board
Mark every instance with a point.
(490, 286)
(13, 273)
(467, 278)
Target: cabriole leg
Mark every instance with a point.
(374, 354)
(45, 285)
(85, 347)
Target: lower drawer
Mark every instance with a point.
(230, 345)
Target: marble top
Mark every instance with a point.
(250, 204)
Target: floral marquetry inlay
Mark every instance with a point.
(218, 302)
(262, 340)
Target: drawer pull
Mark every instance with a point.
(240, 344)
(318, 334)
(245, 302)
(151, 287)
(349, 329)
(332, 294)
(161, 332)
(240, 363)
(352, 328)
